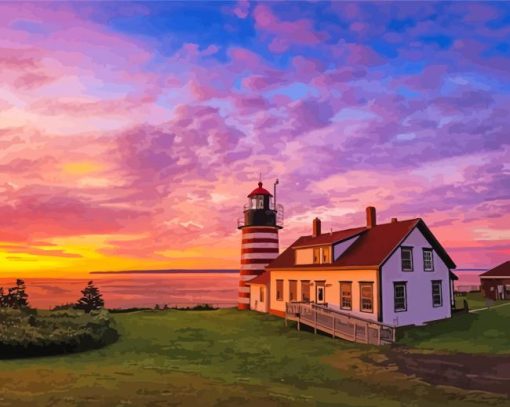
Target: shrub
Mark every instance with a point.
(69, 305)
(199, 307)
(28, 333)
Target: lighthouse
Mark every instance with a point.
(262, 218)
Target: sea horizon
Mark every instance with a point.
(166, 271)
(146, 288)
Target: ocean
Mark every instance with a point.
(137, 290)
(148, 289)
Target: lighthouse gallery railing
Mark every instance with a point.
(279, 215)
(338, 324)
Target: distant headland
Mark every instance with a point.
(169, 271)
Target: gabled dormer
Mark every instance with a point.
(322, 248)
(313, 255)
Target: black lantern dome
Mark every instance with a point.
(260, 210)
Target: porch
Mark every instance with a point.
(339, 324)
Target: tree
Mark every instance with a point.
(16, 297)
(20, 297)
(92, 299)
(3, 298)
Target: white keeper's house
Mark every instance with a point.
(395, 273)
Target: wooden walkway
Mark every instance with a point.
(339, 324)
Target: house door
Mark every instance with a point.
(320, 293)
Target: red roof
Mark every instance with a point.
(503, 270)
(260, 279)
(372, 248)
(327, 238)
(259, 191)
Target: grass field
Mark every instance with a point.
(486, 331)
(475, 301)
(221, 358)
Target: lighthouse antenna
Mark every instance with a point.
(274, 195)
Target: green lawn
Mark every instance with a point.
(221, 358)
(485, 331)
(475, 301)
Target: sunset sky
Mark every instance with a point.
(131, 133)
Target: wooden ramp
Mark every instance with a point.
(339, 324)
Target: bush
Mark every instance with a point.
(28, 333)
(200, 307)
(69, 305)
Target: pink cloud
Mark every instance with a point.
(362, 55)
(34, 214)
(242, 9)
(36, 251)
(300, 32)
(262, 82)
(245, 59)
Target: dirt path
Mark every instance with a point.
(491, 307)
(467, 371)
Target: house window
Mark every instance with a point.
(346, 295)
(292, 290)
(316, 255)
(326, 254)
(305, 291)
(400, 296)
(261, 294)
(279, 290)
(428, 260)
(407, 258)
(366, 297)
(320, 292)
(437, 293)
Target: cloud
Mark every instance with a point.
(286, 33)
(146, 141)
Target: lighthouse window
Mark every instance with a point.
(260, 202)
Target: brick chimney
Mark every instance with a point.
(371, 220)
(316, 227)
(394, 220)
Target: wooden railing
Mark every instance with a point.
(339, 324)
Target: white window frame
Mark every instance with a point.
(395, 285)
(361, 298)
(427, 251)
(342, 306)
(440, 284)
(402, 250)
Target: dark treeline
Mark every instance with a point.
(75, 327)
(17, 297)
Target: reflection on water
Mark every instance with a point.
(136, 290)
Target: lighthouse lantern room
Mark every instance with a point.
(262, 218)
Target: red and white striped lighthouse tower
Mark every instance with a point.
(260, 224)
